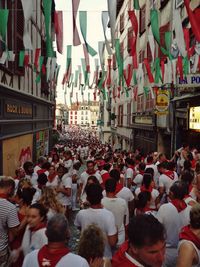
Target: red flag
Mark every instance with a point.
(58, 22)
(135, 93)
(76, 38)
(43, 69)
(130, 74)
(194, 18)
(26, 60)
(149, 73)
(162, 63)
(134, 23)
(37, 54)
(180, 66)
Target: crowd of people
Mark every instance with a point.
(131, 209)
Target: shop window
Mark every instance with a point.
(142, 19)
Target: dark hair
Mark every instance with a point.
(187, 165)
(190, 156)
(149, 171)
(147, 179)
(93, 178)
(179, 190)
(89, 162)
(46, 165)
(171, 165)
(68, 152)
(195, 216)
(42, 210)
(110, 186)
(26, 194)
(129, 161)
(107, 167)
(142, 166)
(187, 177)
(42, 179)
(27, 165)
(142, 199)
(94, 194)
(149, 159)
(145, 230)
(115, 174)
(57, 228)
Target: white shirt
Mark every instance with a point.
(119, 209)
(54, 183)
(126, 194)
(84, 177)
(195, 248)
(138, 179)
(70, 260)
(154, 195)
(169, 217)
(66, 182)
(166, 182)
(33, 240)
(103, 218)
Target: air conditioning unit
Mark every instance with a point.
(178, 3)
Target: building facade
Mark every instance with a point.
(84, 114)
(156, 115)
(27, 97)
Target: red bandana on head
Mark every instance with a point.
(50, 257)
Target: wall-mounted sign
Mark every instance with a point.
(143, 120)
(162, 101)
(194, 118)
(17, 108)
(191, 80)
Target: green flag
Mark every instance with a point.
(21, 58)
(3, 22)
(135, 78)
(127, 92)
(83, 27)
(47, 5)
(157, 70)
(155, 25)
(146, 90)
(38, 78)
(69, 56)
(41, 60)
(185, 66)
(119, 59)
(136, 5)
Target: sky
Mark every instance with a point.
(94, 35)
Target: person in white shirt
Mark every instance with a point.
(55, 253)
(68, 161)
(150, 164)
(130, 172)
(96, 214)
(90, 171)
(167, 178)
(139, 176)
(118, 207)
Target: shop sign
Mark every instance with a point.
(162, 101)
(16, 108)
(143, 120)
(191, 80)
(194, 118)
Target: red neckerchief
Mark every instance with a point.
(170, 174)
(179, 204)
(41, 171)
(145, 209)
(132, 167)
(3, 196)
(144, 189)
(119, 258)
(50, 257)
(141, 172)
(118, 188)
(40, 226)
(187, 234)
(91, 173)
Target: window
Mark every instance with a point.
(71, 112)
(120, 115)
(86, 113)
(75, 112)
(75, 117)
(128, 113)
(121, 23)
(86, 107)
(92, 122)
(71, 117)
(75, 122)
(81, 118)
(140, 101)
(86, 118)
(71, 122)
(149, 102)
(82, 112)
(142, 19)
